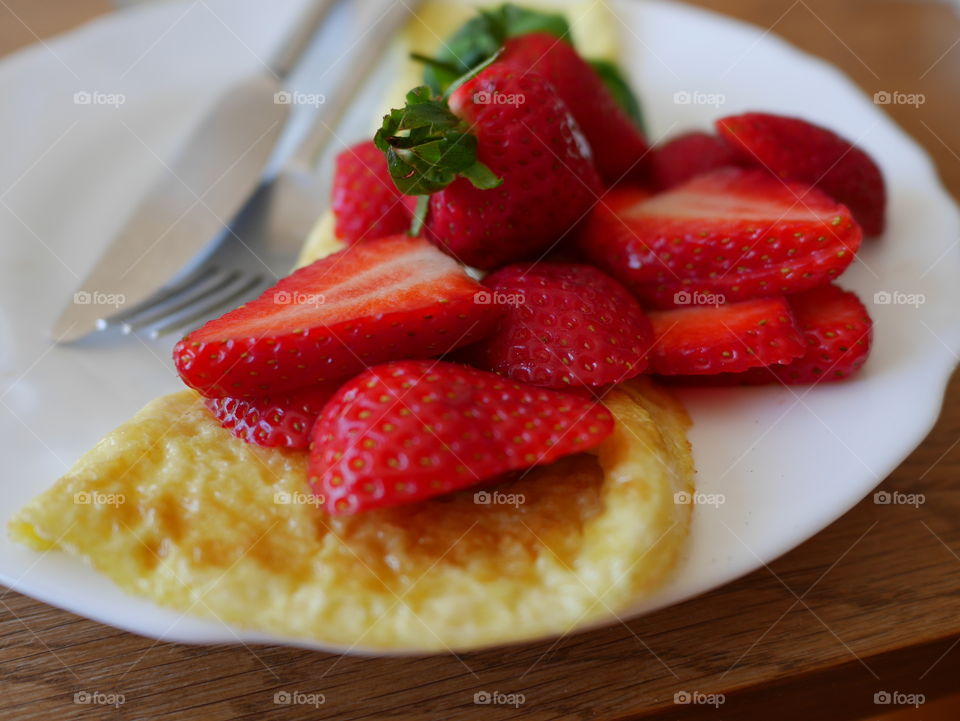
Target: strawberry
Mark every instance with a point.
(366, 203)
(566, 324)
(411, 430)
(275, 422)
(794, 149)
(688, 156)
(837, 331)
(617, 142)
(735, 233)
(378, 300)
(729, 338)
(504, 164)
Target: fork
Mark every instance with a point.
(260, 244)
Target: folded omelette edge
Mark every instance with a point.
(176, 509)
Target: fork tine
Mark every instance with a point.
(205, 287)
(162, 296)
(205, 307)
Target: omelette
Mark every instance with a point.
(178, 510)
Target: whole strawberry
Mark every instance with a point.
(617, 142)
(406, 431)
(505, 165)
(565, 325)
(366, 203)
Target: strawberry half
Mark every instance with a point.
(837, 331)
(276, 422)
(617, 143)
(377, 300)
(687, 156)
(366, 203)
(406, 431)
(725, 338)
(506, 168)
(735, 233)
(794, 149)
(565, 325)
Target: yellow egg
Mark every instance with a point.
(182, 512)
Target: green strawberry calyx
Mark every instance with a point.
(428, 147)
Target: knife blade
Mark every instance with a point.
(212, 176)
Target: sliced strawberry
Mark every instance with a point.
(406, 431)
(617, 143)
(275, 422)
(837, 330)
(794, 149)
(378, 300)
(366, 203)
(565, 325)
(735, 233)
(725, 338)
(687, 156)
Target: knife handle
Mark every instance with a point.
(363, 56)
(296, 44)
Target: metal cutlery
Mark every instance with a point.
(163, 264)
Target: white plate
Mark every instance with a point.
(786, 462)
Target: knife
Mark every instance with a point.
(211, 177)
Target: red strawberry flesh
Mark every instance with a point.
(525, 135)
(366, 203)
(837, 331)
(617, 144)
(411, 430)
(794, 149)
(276, 422)
(687, 156)
(378, 300)
(733, 232)
(565, 325)
(725, 338)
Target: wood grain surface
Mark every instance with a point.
(871, 604)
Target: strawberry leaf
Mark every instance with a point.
(482, 37)
(428, 147)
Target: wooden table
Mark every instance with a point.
(872, 603)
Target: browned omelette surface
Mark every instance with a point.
(197, 520)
